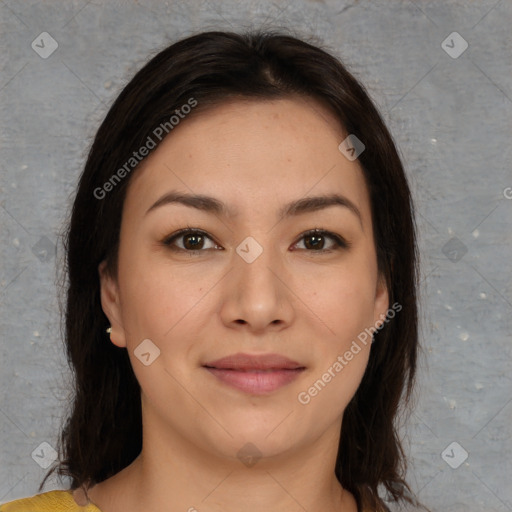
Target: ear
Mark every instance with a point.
(110, 304)
(381, 301)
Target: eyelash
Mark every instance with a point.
(339, 241)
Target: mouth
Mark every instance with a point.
(258, 374)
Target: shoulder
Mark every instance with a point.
(51, 501)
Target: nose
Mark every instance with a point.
(257, 296)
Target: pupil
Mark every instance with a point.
(194, 244)
(316, 239)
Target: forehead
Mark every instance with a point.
(253, 153)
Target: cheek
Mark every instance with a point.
(342, 300)
(345, 307)
(328, 392)
(159, 301)
(168, 311)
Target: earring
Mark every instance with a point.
(109, 330)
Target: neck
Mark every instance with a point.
(172, 474)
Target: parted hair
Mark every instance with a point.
(102, 432)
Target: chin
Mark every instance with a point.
(271, 438)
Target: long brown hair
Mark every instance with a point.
(103, 433)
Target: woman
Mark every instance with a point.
(243, 233)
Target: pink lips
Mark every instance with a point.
(257, 374)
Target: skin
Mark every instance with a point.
(294, 300)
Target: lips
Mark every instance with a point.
(258, 374)
(246, 362)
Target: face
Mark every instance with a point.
(247, 278)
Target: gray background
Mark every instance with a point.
(451, 118)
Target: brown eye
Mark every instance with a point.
(191, 240)
(314, 241)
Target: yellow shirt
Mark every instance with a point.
(51, 501)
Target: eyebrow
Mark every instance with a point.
(212, 205)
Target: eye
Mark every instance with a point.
(315, 241)
(193, 240)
